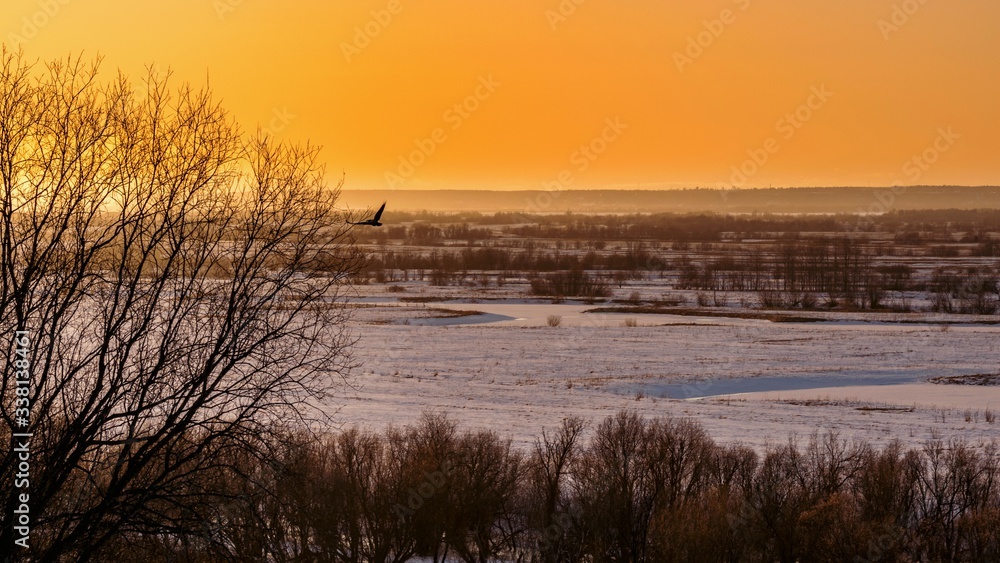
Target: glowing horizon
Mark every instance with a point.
(577, 94)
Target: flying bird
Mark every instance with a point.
(374, 220)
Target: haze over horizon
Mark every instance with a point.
(576, 94)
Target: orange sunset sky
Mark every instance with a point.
(514, 94)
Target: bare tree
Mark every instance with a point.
(484, 525)
(617, 489)
(178, 281)
(547, 473)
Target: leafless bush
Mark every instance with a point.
(809, 300)
(572, 283)
(978, 295)
(875, 295)
(769, 299)
(720, 299)
(441, 277)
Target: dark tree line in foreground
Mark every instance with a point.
(636, 490)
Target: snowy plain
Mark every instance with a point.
(497, 364)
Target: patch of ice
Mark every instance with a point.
(464, 320)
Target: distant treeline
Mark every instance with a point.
(841, 272)
(836, 272)
(914, 227)
(638, 490)
(761, 200)
(514, 260)
(789, 261)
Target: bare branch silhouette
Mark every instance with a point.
(179, 281)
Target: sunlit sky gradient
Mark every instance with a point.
(894, 88)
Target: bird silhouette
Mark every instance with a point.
(374, 220)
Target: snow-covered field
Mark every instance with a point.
(497, 364)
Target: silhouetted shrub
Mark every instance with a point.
(572, 283)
